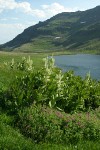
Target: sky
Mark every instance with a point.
(16, 15)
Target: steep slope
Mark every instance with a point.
(70, 30)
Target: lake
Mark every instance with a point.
(80, 63)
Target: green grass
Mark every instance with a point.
(40, 44)
(6, 76)
(11, 139)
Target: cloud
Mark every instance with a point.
(9, 31)
(56, 8)
(7, 4)
(3, 19)
(10, 18)
(25, 7)
(14, 18)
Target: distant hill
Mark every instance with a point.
(66, 31)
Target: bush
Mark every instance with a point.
(81, 127)
(40, 124)
(10, 138)
(43, 124)
(50, 86)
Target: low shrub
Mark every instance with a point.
(40, 124)
(50, 86)
(10, 138)
(43, 124)
(81, 127)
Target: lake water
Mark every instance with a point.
(80, 63)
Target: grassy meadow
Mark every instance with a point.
(44, 109)
(6, 74)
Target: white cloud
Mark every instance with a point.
(39, 13)
(23, 6)
(0, 10)
(3, 19)
(14, 18)
(9, 31)
(10, 18)
(56, 8)
(7, 4)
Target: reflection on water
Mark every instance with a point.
(80, 63)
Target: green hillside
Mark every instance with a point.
(66, 31)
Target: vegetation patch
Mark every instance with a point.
(45, 108)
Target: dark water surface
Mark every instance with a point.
(80, 63)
